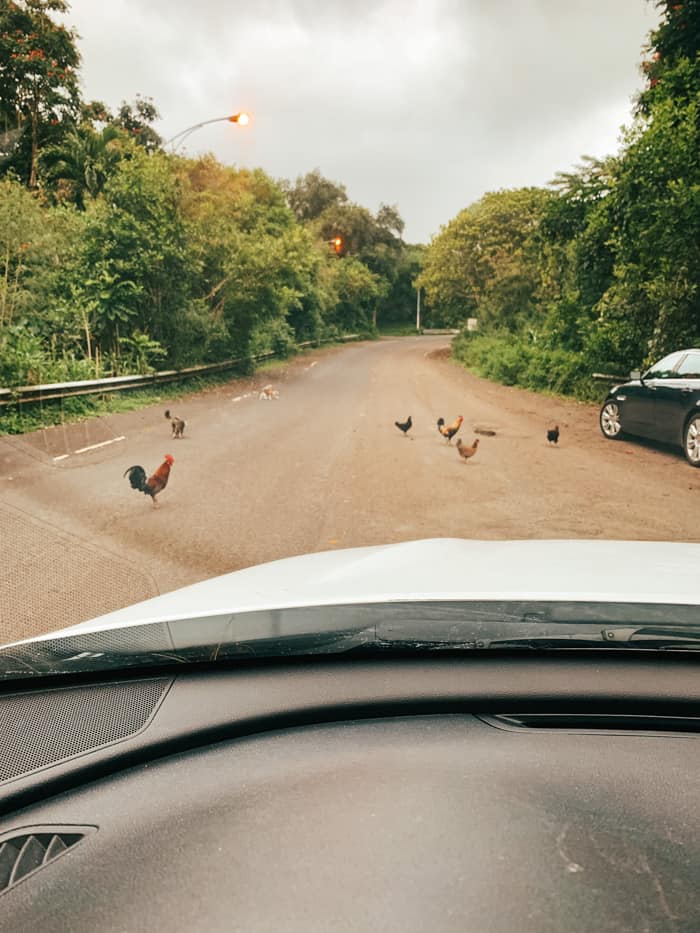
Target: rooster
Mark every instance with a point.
(449, 430)
(177, 424)
(553, 435)
(464, 451)
(405, 426)
(154, 484)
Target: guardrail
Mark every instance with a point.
(606, 377)
(60, 390)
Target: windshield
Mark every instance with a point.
(300, 279)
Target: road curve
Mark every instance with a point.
(322, 467)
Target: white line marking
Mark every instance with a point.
(114, 440)
(62, 457)
(238, 398)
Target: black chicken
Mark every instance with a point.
(404, 426)
(553, 435)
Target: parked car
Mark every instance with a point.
(662, 404)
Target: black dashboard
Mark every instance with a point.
(467, 794)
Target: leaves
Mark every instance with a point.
(483, 263)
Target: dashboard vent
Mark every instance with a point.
(23, 853)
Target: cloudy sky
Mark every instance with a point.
(425, 104)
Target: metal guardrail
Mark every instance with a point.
(60, 390)
(607, 377)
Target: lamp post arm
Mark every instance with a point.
(190, 129)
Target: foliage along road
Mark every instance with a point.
(322, 467)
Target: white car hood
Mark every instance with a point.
(435, 569)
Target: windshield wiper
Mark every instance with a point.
(657, 639)
(379, 629)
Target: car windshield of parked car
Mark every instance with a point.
(689, 367)
(357, 285)
(665, 368)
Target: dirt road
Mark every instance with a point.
(323, 467)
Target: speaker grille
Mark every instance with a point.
(40, 729)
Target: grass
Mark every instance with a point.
(33, 416)
(397, 330)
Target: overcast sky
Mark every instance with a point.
(425, 104)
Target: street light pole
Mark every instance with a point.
(242, 119)
(418, 310)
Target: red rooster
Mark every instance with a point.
(154, 484)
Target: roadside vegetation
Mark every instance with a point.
(599, 272)
(117, 257)
(19, 419)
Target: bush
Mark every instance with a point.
(519, 361)
(25, 360)
(275, 336)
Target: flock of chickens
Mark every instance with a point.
(156, 483)
(449, 431)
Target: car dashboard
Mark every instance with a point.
(501, 793)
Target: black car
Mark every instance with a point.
(662, 404)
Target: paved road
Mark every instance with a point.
(321, 468)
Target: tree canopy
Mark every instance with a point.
(601, 270)
(119, 256)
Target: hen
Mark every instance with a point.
(553, 435)
(404, 426)
(154, 484)
(467, 452)
(449, 430)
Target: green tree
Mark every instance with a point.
(84, 160)
(575, 253)
(136, 120)
(484, 262)
(672, 67)
(133, 271)
(653, 304)
(38, 76)
(40, 333)
(399, 305)
(357, 292)
(21, 230)
(312, 194)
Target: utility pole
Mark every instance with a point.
(418, 310)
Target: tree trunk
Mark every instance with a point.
(35, 146)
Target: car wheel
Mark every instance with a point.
(610, 423)
(691, 441)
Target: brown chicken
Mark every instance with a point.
(464, 451)
(449, 430)
(177, 425)
(154, 484)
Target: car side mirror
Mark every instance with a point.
(635, 374)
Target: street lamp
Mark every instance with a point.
(242, 119)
